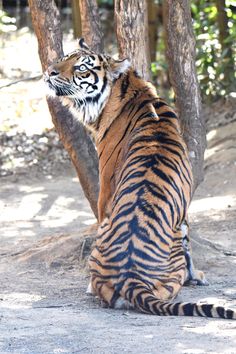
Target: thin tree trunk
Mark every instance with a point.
(76, 19)
(180, 51)
(46, 23)
(222, 22)
(91, 27)
(152, 27)
(132, 34)
(223, 35)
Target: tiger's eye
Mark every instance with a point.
(80, 68)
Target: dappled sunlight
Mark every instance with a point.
(19, 300)
(25, 210)
(211, 135)
(57, 216)
(212, 203)
(29, 110)
(39, 210)
(89, 222)
(210, 152)
(19, 229)
(210, 328)
(231, 292)
(30, 189)
(181, 348)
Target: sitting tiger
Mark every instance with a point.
(142, 257)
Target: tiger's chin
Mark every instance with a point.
(49, 90)
(52, 90)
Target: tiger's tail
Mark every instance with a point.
(146, 302)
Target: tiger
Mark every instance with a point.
(142, 256)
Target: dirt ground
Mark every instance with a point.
(43, 274)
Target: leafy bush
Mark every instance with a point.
(215, 65)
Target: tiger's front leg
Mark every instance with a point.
(193, 276)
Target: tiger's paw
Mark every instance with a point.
(197, 278)
(122, 304)
(200, 278)
(90, 290)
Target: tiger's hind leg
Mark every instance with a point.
(193, 276)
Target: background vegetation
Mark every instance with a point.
(215, 53)
(214, 23)
(216, 49)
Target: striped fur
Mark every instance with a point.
(142, 256)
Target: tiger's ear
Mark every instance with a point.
(82, 44)
(118, 67)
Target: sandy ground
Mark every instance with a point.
(43, 274)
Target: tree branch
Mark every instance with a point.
(37, 77)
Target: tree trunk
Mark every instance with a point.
(132, 34)
(222, 22)
(76, 19)
(152, 28)
(180, 51)
(91, 27)
(223, 35)
(46, 23)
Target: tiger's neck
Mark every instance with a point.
(129, 89)
(87, 110)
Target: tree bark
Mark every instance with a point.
(76, 19)
(132, 34)
(223, 35)
(222, 22)
(91, 27)
(180, 51)
(152, 27)
(46, 23)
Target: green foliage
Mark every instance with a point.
(215, 65)
(7, 24)
(106, 3)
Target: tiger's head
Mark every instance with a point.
(83, 80)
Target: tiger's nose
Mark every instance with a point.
(52, 71)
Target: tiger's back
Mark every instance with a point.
(143, 159)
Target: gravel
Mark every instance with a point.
(42, 153)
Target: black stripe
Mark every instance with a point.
(114, 120)
(221, 311)
(171, 164)
(168, 114)
(175, 309)
(124, 134)
(158, 104)
(207, 309)
(188, 309)
(124, 86)
(230, 314)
